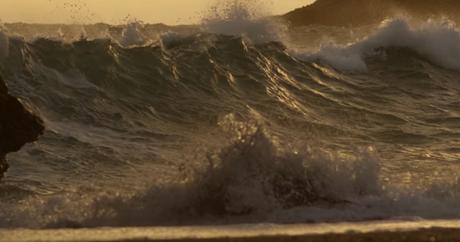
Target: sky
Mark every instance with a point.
(120, 11)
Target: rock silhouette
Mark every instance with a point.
(362, 12)
(18, 125)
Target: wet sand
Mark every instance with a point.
(394, 231)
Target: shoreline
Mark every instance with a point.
(394, 231)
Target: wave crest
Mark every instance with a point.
(438, 41)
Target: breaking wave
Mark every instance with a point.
(437, 41)
(253, 175)
(219, 124)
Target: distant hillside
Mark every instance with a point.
(358, 12)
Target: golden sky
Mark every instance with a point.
(117, 11)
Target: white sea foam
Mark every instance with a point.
(437, 41)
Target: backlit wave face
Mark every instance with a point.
(156, 125)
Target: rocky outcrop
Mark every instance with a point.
(18, 125)
(361, 12)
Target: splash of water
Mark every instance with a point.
(132, 34)
(243, 18)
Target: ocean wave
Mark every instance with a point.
(253, 174)
(192, 127)
(438, 41)
(4, 45)
(253, 177)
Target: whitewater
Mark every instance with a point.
(238, 120)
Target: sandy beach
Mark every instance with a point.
(395, 231)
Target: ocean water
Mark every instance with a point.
(237, 120)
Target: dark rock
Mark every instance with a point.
(362, 12)
(18, 125)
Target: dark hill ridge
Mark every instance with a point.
(359, 12)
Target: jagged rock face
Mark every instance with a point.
(18, 125)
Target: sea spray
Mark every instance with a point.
(132, 34)
(243, 18)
